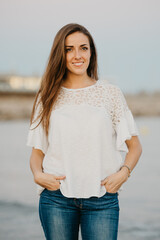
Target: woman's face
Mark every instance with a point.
(78, 53)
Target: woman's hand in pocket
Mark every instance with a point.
(48, 181)
(113, 182)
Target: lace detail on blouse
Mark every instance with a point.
(101, 94)
(119, 104)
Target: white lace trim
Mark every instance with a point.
(101, 94)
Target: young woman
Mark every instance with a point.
(79, 125)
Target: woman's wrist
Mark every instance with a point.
(128, 169)
(124, 171)
(38, 176)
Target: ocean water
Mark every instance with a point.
(139, 200)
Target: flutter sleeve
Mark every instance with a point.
(123, 121)
(37, 137)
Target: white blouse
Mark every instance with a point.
(88, 128)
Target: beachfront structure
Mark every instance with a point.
(19, 83)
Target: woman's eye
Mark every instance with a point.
(85, 48)
(68, 49)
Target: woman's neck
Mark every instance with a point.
(78, 81)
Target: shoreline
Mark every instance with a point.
(19, 105)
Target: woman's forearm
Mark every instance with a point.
(135, 151)
(36, 161)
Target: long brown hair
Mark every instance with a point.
(56, 71)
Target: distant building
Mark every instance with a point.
(19, 84)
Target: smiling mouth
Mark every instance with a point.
(78, 64)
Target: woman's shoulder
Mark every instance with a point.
(110, 87)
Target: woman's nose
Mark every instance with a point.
(77, 54)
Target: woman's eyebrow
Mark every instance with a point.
(80, 45)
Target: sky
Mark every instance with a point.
(126, 35)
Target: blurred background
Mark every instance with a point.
(127, 37)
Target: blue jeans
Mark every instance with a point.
(61, 216)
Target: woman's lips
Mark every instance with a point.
(78, 64)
